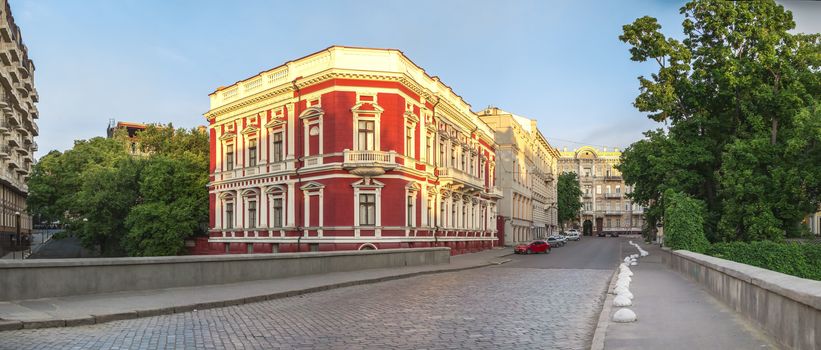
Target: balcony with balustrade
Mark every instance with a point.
(369, 163)
(456, 176)
(612, 195)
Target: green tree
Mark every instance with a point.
(172, 193)
(122, 204)
(568, 197)
(684, 222)
(739, 96)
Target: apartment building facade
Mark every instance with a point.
(606, 207)
(346, 149)
(18, 126)
(526, 164)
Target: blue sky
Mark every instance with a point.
(559, 62)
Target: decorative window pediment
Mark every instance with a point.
(228, 136)
(367, 183)
(367, 107)
(275, 190)
(249, 193)
(275, 122)
(250, 130)
(312, 186)
(413, 186)
(312, 112)
(411, 117)
(226, 196)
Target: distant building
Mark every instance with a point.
(605, 205)
(813, 222)
(130, 130)
(526, 170)
(17, 127)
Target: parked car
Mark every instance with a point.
(532, 248)
(601, 234)
(556, 241)
(614, 234)
(573, 235)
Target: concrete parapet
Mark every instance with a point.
(787, 308)
(32, 279)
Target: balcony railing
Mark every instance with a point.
(457, 175)
(612, 195)
(369, 163)
(612, 212)
(612, 178)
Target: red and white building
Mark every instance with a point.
(348, 148)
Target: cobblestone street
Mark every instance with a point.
(488, 308)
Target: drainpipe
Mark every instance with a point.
(436, 227)
(299, 228)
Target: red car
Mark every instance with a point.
(532, 247)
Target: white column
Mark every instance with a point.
(291, 206)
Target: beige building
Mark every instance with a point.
(526, 164)
(605, 205)
(813, 222)
(17, 125)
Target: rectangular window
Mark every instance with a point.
(453, 215)
(365, 135)
(229, 157)
(429, 148)
(252, 153)
(464, 168)
(442, 214)
(277, 212)
(367, 209)
(430, 213)
(608, 222)
(464, 216)
(598, 189)
(618, 189)
(618, 222)
(442, 156)
(229, 215)
(409, 141)
(452, 157)
(278, 147)
(410, 211)
(252, 214)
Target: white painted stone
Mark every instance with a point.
(622, 301)
(621, 290)
(624, 315)
(626, 279)
(626, 294)
(633, 263)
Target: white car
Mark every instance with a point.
(573, 235)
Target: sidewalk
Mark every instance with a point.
(676, 313)
(99, 308)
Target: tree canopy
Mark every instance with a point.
(739, 99)
(568, 195)
(124, 204)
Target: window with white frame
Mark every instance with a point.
(442, 156)
(409, 130)
(277, 148)
(229, 156)
(453, 214)
(252, 152)
(409, 214)
(367, 209)
(277, 212)
(429, 148)
(429, 217)
(252, 213)
(228, 220)
(365, 135)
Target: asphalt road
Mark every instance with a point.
(599, 253)
(544, 301)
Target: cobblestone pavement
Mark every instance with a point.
(489, 308)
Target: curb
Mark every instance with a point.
(604, 317)
(10, 325)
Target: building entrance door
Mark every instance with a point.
(599, 224)
(587, 228)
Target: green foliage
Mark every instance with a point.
(797, 259)
(684, 222)
(122, 204)
(568, 197)
(739, 96)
